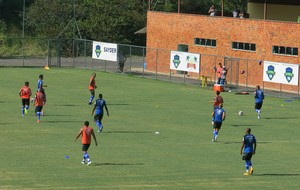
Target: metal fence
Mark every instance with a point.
(141, 61)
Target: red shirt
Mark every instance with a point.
(25, 92)
(219, 72)
(92, 83)
(39, 99)
(86, 133)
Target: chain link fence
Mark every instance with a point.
(140, 61)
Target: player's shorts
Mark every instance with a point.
(85, 147)
(92, 92)
(217, 125)
(98, 117)
(25, 101)
(247, 156)
(38, 108)
(258, 105)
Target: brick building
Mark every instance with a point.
(245, 42)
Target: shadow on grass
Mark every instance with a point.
(245, 125)
(5, 123)
(230, 142)
(67, 105)
(280, 175)
(60, 121)
(117, 104)
(127, 132)
(281, 118)
(117, 164)
(227, 142)
(50, 115)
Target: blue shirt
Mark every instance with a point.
(259, 96)
(39, 84)
(218, 113)
(100, 103)
(249, 141)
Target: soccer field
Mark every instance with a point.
(130, 155)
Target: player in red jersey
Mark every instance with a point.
(217, 100)
(92, 87)
(25, 93)
(86, 132)
(40, 100)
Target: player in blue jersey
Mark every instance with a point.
(259, 98)
(218, 116)
(98, 109)
(249, 147)
(41, 84)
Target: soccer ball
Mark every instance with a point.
(241, 113)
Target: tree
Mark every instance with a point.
(11, 15)
(47, 18)
(105, 20)
(112, 20)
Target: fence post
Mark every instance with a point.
(130, 58)
(143, 49)
(58, 51)
(49, 52)
(84, 53)
(73, 51)
(23, 50)
(156, 64)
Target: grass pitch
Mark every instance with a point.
(130, 155)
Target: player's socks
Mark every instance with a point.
(87, 157)
(248, 163)
(91, 99)
(38, 115)
(83, 161)
(216, 135)
(26, 109)
(23, 110)
(100, 127)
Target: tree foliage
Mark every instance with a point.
(11, 14)
(102, 20)
(105, 20)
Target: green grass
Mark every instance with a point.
(129, 155)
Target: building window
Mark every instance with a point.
(205, 42)
(282, 50)
(243, 46)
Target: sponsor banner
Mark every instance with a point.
(184, 61)
(105, 51)
(283, 73)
